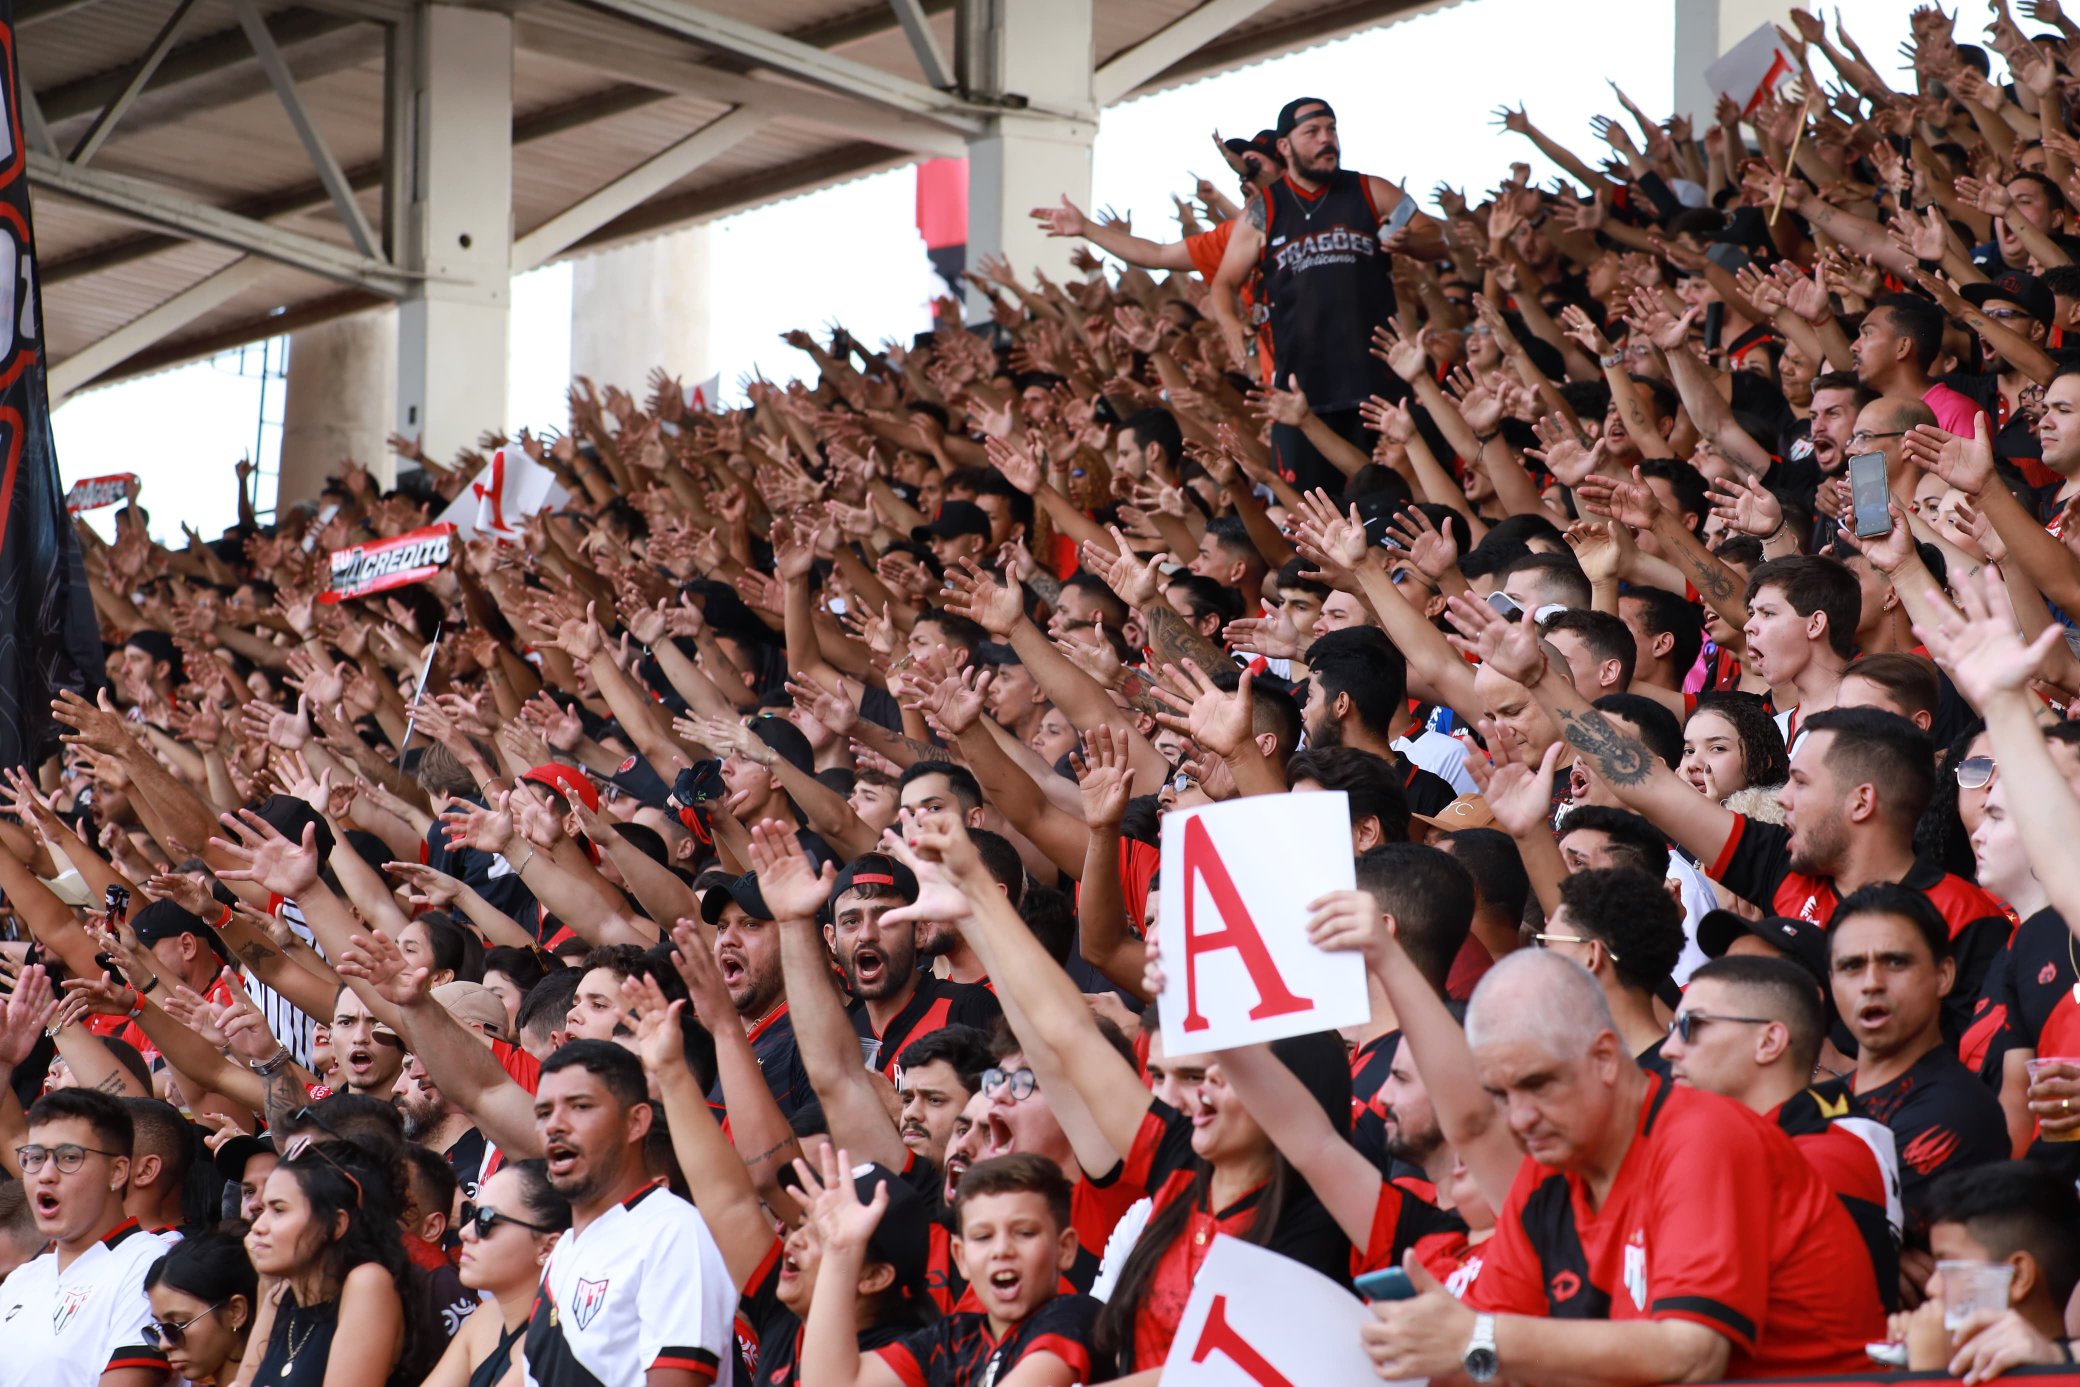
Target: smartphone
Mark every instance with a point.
(1714, 324)
(1388, 1283)
(1869, 495)
(1404, 212)
(1727, 256)
(1505, 606)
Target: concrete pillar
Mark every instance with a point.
(1038, 59)
(452, 111)
(341, 402)
(1704, 29)
(640, 306)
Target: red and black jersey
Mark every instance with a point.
(2023, 992)
(1855, 1154)
(957, 1351)
(1163, 1166)
(779, 1061)
(1370, 1064)
(935, 1005)
(1755, 864)
(1094, 1210)
(1942, 1118)
(1713, 1218)
(1402, 1219)
(776, 1331)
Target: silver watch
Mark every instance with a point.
(1480, 1361)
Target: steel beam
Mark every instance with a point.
(635, 187)
(140, 77)
(154, 204)
(335, 181)
(83, 367)
(917, 27)
(1170, 45)
(793, 58)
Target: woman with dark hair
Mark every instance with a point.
(1963, 780)
(447, 951)
(512, 974)
(202, 1295)
(507, 1232)
(1733, 753)
(327, 1233)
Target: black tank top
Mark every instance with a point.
(1326, 282)
(488, 1372)
(300, 1345)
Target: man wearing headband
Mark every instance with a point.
(1314, 238)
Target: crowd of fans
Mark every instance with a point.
(713, 939)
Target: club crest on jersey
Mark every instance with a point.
(591, 1295)
(1636, 1273)
(68, 1306)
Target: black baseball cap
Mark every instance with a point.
(955, 518)
(230, 1159)
(743, 890)
(1291, 114)
(2018, 287)
(876, 869)
(1801, 941)
(635, 778)
(165, 920)
(1264, 142)
(903, 1237)
(786, 739)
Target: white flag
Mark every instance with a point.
(498, 501)
(1753, 68)
(706, 394)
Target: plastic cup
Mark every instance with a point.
(2037, 1069)
(1973, 1286)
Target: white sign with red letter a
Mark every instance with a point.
(1257, 1319)
(499, 499)
(1237, 967)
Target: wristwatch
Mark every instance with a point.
(1480, 1361)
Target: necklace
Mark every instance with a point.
(295, 1345)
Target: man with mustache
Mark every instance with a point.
(747, 954)
(894, 1001)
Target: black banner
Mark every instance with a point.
(49, 638)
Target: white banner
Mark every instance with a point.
(1257, 1319)
(1237, 966)
(705, 394)
(499, 499)
(1753, 69)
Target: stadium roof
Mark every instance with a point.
(194, 160)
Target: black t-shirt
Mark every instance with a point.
(1942, 1119)
(488, 874)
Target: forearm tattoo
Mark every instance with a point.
(1619, 758)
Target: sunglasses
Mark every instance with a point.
(1684, 1026)
(1544, 939)
(483, 1220)
(309, 1145)
(1021, 1082)
(1974, 772)
(165, 1334)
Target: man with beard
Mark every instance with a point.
(1357, 696)
(434, 1121)
(747, 954)
(894, 1002)
(1313, 238)
(951, 957)
(935, 1078)
(635, 1290)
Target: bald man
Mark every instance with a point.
(1719, 1253)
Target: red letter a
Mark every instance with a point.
(1219, 1336)
(1238, 931)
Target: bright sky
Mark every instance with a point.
(1405, 105)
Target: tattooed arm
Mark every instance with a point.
(1172, 641)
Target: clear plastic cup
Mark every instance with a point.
(2037, 1067)
(1972, 1286)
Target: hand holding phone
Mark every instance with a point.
(1869, 496)
(1388, 1283)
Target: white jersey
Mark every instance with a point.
(65, 1329)
(644, 1287)
(1442, 756)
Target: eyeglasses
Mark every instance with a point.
(1974, 772)
(1865, 436)
(1684, 1026)
(165, 1334)
(1021, 1082)
(308, 1145)
(69, 1157)
(1544, 939)
(483, 1220)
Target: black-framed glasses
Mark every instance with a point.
(1021, 1082)
(165, 1334)
(1684, 1026)
(1543, 939)
(1974, 772)
(70, 1157)
(483, 1220)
